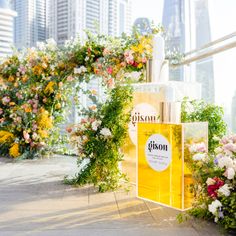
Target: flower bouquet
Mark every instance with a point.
(215, 183)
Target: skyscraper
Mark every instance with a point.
(173, 22)
(119, 17)
(69, 18)
(176, 14)
(30, 23)
(6, 28)
(204, 67)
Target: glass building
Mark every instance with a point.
(6, 28)
(30, 23)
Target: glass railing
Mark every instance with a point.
(213, 65)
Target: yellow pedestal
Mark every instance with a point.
(162, 174)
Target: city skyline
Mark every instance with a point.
(62, 20)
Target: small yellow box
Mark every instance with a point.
(162, 173)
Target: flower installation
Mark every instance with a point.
(214, 181)
(38, 84)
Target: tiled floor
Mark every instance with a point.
(34, 201)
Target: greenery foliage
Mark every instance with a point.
(195, 110)
(103, 149)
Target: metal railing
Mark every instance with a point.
(220, 45)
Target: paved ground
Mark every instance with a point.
(34, 201)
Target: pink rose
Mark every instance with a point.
(70, 78)
(26, 136)
(144, 60)
(109, 70)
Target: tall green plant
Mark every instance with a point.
(201, 111)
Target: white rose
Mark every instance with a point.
(225, 161)
(213, 206)
(96, 124)
(230, 172)
(224, 190)
(210, 181)
(105, 132)
(199, 157)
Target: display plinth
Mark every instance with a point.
(162, 173)
(153, 102)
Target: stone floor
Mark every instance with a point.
(34, 201)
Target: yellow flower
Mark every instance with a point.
(14, 150)
(37, 70)
(58, 106)
(58, 96)
(43, 133)
(140, 65)
(44, 120)
(49, 88)
(5, 136)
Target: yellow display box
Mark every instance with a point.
(162, 152)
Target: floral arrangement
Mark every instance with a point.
(36, 85)
(215, 181)
(100, 134)
(33, 96)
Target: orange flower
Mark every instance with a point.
(11, 79)
(24, 79)
(28, 109)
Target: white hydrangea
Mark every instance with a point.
(214, 206)
(105, 132)
(96, 124)
(224, 190)
(225, 161)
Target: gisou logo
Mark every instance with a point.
(158, 152)
(152, 145)
(137, 117)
